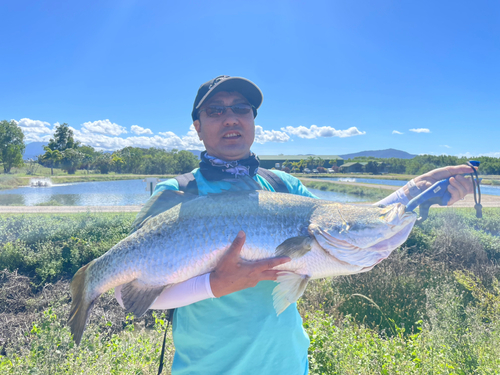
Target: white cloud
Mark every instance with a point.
(166, 140)
(191, 139)
(396, 132)
(445, 146)
(263, 136)
(103, 127)
(140, 130)
(493, 154)
(420, 130)
(34, 137)
(321, 131)
(34, 126)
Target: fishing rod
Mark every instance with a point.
(439, 194)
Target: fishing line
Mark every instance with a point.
(170, 314)
(476, 184)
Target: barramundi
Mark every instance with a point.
(322, 238)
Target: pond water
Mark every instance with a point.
(337, 197)
(108, 193)
(101, 193)
(485, 189)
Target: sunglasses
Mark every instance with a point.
(219, 110)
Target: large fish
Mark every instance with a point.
(322, 238)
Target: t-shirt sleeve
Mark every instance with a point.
(294, 185)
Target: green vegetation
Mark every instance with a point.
(368, 192)
(52, 202)
(432, 307)
(11, 145)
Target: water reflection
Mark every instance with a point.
(337, 197)
(104, 193)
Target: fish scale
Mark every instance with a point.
(322, 238)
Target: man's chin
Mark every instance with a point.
(229, 154)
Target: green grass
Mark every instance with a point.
(52, 202)
(367, 192)
(8, 181)
(391, 176)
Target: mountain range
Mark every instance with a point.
(383, 154)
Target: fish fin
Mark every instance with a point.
(137, 297)
(81, 305)
(291, 286)
(158, 203)
(294, 247)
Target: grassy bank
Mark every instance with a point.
(8, 181)
(371, 194)
(392, 176)
(432, 307)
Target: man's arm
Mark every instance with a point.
(459, 186)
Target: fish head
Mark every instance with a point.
(362, 235)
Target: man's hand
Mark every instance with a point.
(459, 185)
(233, 273)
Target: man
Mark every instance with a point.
(225, 321)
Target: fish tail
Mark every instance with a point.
(81, 303)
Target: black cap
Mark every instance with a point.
(226, 83)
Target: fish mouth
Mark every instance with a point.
(370, 251)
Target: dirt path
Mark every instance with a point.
(66, 209)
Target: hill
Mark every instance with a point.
(384, 154)
(34, 149)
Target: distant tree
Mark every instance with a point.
(371, 167)
(185, 161)
(104, 162)
(52, 157)
(63, 138)
(319, 162)
(89, 155)
(311, 162)
(71, 160)
(117, 163)
(133, 159)
(11, 145)
(425, 168)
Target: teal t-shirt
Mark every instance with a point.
(239, 333)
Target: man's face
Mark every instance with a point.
(229, 136)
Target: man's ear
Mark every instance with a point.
(197, 126)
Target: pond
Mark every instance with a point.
(108, 193)
(485, 189)
(101, 193)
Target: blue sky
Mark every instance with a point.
(337, 76)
